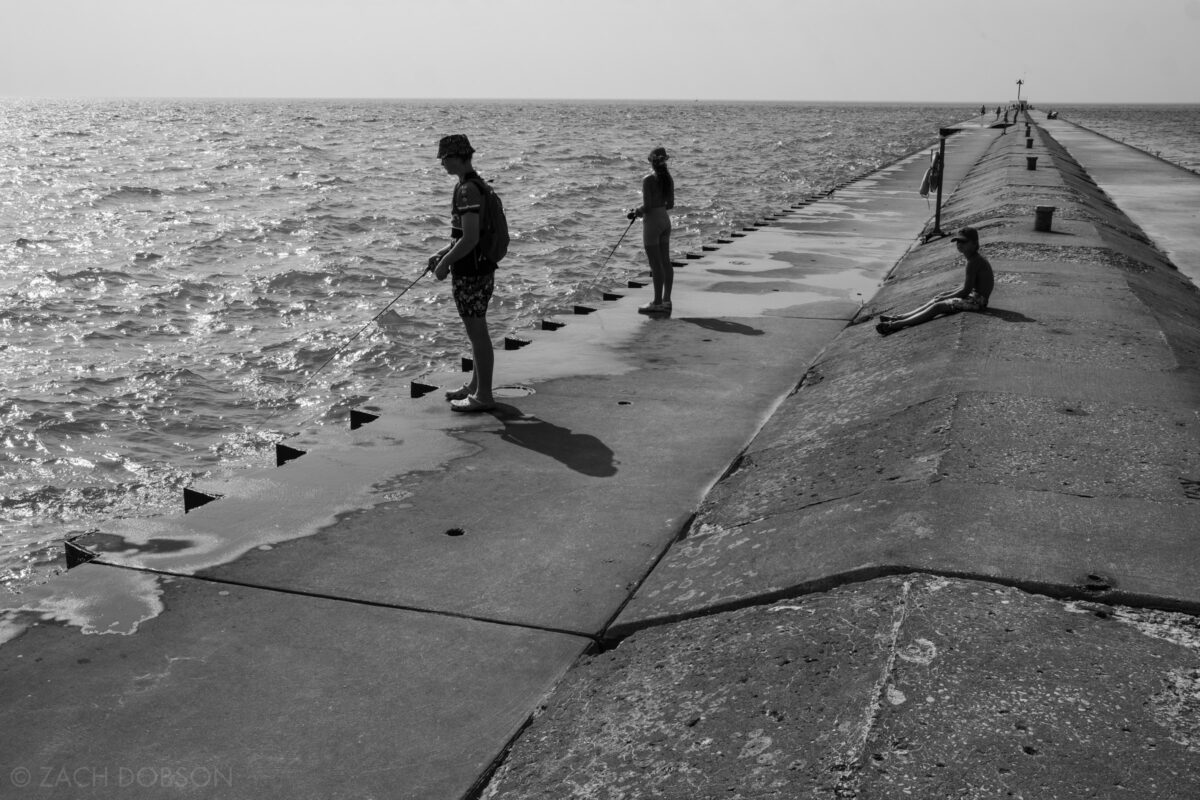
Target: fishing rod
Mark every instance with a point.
(596, 277)
(357, 333)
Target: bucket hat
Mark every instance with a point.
(456, 144)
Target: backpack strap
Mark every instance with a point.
(484, 213)
(485, 221)
(483, 185)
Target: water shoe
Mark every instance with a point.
(471, 404)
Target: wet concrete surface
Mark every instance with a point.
(568, 496)
(237, 692)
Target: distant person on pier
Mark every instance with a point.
(971, 296)
(473, 272)
(658, 197)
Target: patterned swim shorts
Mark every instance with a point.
(972, 302)
(473, 293)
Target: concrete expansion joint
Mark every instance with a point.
(1095, 588)
(600, 642)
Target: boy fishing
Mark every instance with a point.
(472, 270)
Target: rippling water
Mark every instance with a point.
(172, 272)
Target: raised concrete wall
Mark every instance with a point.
(956, 446)
(910, 584)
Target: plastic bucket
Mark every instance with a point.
(1042, 216)
(1030, 162)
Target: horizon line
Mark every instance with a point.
(383, 98)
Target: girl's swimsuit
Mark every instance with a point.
(656, 222)
(655, 225)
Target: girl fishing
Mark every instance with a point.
(658, 197)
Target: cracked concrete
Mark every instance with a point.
(907, 686)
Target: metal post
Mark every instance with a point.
(937, 216)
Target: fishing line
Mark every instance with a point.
(357, 333)
(596, 277)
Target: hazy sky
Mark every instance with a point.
(851, 50)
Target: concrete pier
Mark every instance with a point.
(749, 550)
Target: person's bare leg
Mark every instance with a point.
(657, 273)
(664, 260)
(923, 314)
(917, 310)
(483, 356)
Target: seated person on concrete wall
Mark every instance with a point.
(971, 296)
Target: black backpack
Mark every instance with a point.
(493, 227)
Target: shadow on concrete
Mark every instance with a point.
(581, 452)
(1008, 316)
(100, 543)
(722, 326)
